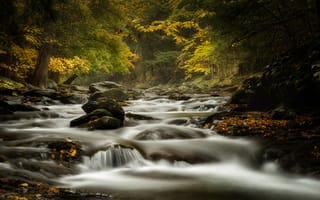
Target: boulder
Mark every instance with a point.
(79, 88)
(105, 122)
(51, 84)
(9, 107)
(103, 86)
(72, 98)
(102, 114)
(88, 117)
(179, 97)
(110, 105)
(113, 93)
(41, 92)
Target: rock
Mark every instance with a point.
(179, 97)
(5, 108)
(22, 107)
(110, 105)
(51, 84)
(103, 86)
(41, 92)
(113, 93)
(9, 107)
(139, 117)
(88, 117)
(72, 98)
(281, 113)
(79, 88)
(66, 150)
(80, 120)
(105, 122)
(102, 114)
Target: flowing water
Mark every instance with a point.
(159, 154)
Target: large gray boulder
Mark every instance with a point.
(103, 86)
(113, 93)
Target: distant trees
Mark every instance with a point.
(155, 41)
(214, 38)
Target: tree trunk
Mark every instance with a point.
(318, 13)
(40, 75)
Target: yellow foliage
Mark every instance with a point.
(24, 184)
(26, 60)
(33, 34)
(67, 66)
(53, 190)
(19, 198)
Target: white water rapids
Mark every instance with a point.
(163, 156)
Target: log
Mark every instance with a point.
(70, 79)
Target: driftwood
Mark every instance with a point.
(70, 79)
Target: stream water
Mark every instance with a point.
(162, 155)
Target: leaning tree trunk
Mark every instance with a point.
(40, 75)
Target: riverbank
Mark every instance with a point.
(288, 139)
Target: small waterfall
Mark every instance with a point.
(116, 155)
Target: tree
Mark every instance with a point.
(71, 30)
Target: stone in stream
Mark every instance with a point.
(41, 92)
(113, 93)
(105, 122)
(103, 86)
(102, 114)
(112, 106)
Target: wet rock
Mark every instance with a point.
(65, 150)
(281, 113)
(110, 105)
(113, 93)
(106, 123)
(5, 108)
(8, 107)
(41, 92)
(72, 98)
(88, 117)
(23, 108)
(103, 86)
(139, 117)
(179, 97)
(102, 114)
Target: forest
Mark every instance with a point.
(160, 99)
(149, 42)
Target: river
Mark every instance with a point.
(162, 155)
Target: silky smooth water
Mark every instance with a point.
(165, 156)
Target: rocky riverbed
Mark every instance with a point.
(176, 137)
